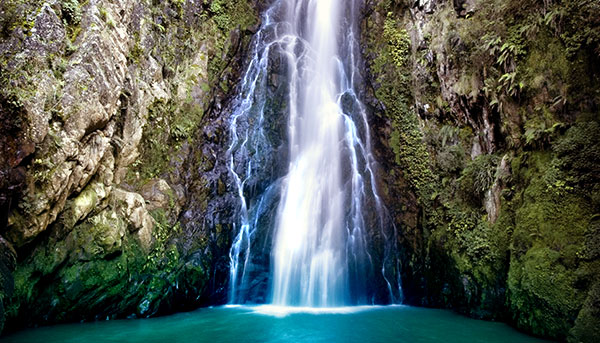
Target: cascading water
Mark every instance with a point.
(329, 215)
(308, 254)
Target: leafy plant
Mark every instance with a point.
(478, 176)
(71, 12)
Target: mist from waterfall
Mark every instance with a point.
(326, 197)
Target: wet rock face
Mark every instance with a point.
(16, 149)
(478, 177)
(70, 117)
(99, 103)
(8, 261)
(214, 205)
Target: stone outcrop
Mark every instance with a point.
(477, 122)
(100, 103)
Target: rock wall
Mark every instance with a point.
(487, 118)
(105, 108)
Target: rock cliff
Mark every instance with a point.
(106, 110)
(486, 115)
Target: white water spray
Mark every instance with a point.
(308, 252)
(319, 255)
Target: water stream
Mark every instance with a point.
(305, 71)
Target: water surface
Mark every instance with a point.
(278, 324)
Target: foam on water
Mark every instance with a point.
(283, 311)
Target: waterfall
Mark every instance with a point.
(304, 69)
(308, 251)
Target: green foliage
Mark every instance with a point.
(178, 3)
(71, 12)
(448, 134)
(407, 143)
(398, 42)
(446, 148)
(578, 155)
(529, 67)
(450, 160)
(468, 261)
(551, 221)
(163, 263)
(18, 15)
(391, 69)
(227, 15)
(99, 268)
(518, 52)
(478, 176)
(587, 324)
(538, 134)
(218, 8)
(184, 127)
(577, 24)
(542, 293)
(71, 15)
(475, 244)
(510, 52)
(137, 52)
(169, 125)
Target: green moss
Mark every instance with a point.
(71, 15)
(406, 138)
(99, 269)
(170, 124)
(407, 143)
(468, 257)
(578, 158)
(398, 42)
(587, 325)
(136, 53)
(531, 73)
(81, 205)
(95, 268)
(541, 293)
(544, 279)
(224, 17)
(17, 14)
(477, 177)
(71, 12)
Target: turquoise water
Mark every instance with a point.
(273, 324)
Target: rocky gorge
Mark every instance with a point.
(115, 197)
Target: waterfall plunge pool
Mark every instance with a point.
(268, 323)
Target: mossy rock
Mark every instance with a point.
(546, 280)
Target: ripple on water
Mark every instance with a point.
(268, 323)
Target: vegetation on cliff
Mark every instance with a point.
(491, 111)
(103, 102)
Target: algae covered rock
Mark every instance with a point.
(102, 102)
(486, 126)
(132, 207)
(8, 261)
